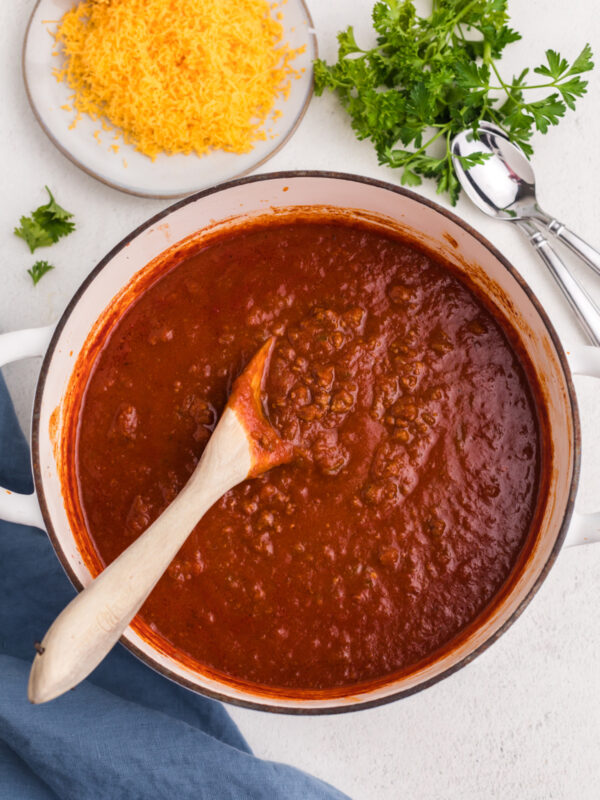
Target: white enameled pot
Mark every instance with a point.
(390, 207)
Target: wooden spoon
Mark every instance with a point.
(243, 445)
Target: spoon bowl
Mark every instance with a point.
(504, 185)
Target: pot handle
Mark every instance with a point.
(22, 508)
(584, 528)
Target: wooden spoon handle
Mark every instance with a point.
(92, 623)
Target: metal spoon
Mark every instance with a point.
(243, 445)
(504, 187)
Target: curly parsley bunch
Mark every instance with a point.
(430, 77)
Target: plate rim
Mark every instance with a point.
(312, 35)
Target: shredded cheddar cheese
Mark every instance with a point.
(176, 76)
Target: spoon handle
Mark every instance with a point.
(586, 310)
(92, 623)
(588, 254)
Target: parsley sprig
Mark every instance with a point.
(46, 225)
(39, 269)
(430, 77)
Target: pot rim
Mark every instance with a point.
(293, 174)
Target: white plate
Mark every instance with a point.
(128, 170)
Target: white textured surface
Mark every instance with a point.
(522, 721)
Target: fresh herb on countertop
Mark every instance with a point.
(46, 225)
(39, 269)
(430, 77)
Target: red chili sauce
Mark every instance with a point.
(418, 453)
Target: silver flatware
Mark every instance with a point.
(504, 187)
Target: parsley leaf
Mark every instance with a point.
(33, 233)
(46, 225)
(430, 77)
(39, 269)
(557, 66)
(583, 62)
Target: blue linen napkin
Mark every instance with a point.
(126, 732)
